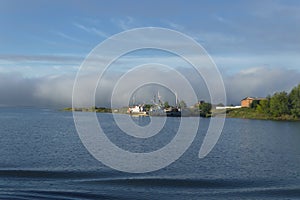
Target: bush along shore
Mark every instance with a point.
(280, 106)
(92, 109)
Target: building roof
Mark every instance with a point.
(253, 98)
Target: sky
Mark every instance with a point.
(254, 44)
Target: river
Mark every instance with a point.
(42, 157)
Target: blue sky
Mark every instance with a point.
(49, 39)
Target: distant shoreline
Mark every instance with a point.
(241, 113)
(190, 113)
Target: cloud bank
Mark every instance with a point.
(56, 91)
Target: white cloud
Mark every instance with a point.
(57, 90)
(92, 30)
(43, 58)
(125, 23)
(175, 26)
(68, 37)
(260, 82)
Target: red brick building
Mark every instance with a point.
(246, 102)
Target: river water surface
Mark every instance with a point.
(42, 157)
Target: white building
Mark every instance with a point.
(135, 109)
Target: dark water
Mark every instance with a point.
(42, 157)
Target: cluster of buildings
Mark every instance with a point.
(245, 103)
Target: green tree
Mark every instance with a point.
(182, 104)
(205, 109)
(264, 106)
(279, 104)
(147, 107)
(166, 104)
(254, 104)
(294, 98)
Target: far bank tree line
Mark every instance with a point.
(281, 104)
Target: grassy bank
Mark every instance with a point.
(250, 113)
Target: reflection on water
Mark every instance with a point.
(42, 157)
